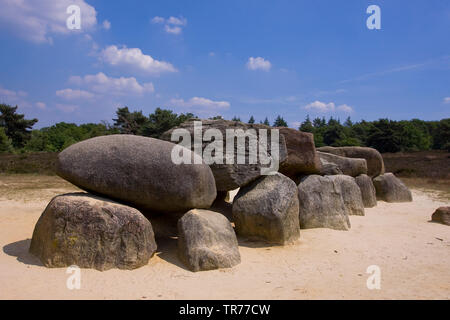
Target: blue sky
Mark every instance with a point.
(229, 58)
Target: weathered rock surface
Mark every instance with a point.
(349, 166)
(322, 204)
(391, 189)
(368, 191)
(232, 176)
(350, 193)
(442, 215)
(207, 241)
(301, 153)
(139, 171)
(267, 210)
(329, 169)
(375, 163)
(92, 232)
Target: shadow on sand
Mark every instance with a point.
(19, 249)
(168, 251)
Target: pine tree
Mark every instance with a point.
(279, 122)
(252, 120)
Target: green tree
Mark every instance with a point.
(266, 122)
(236, 119)
(5, 142)
(279, 122)
(163, 120)
(129, 122)
(384, 135)
(252, 120)
(307, 126)
(16, 127)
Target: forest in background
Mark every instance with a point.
(17, 134)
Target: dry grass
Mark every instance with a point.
(428, 171)
(27, 187)
(31, 163)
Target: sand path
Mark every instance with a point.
(412, 253)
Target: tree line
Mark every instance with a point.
(17, 135)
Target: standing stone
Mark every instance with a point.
(322, 204)
(350, 193)
(442, 215)
(92, 232)
(368, 191)
(232, 176)
(207, 241)
(349, 166)
(267, 210)
(301, 158)
(329, 169)
(375, 163)
(139, 171)
(391, 189)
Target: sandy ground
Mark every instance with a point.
(413, 255)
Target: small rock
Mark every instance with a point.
(207, 241)
(267, 210)
(391, 189)
(442, 215)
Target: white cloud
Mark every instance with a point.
(37, 20)
(67, 108)
(134, 58)
(70, 94)
(447, 100)
(41, 105)
(106, 25)
(172, 25)
(258, 64)
(158, 20)
(201, 105)
(323, 107)
(103, 84)
(345, 108)
(173, 30)
(14, 97)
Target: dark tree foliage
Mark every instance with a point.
(384, 135)
(251, 120)
(236, 119)
(16, 127)
(129, 122)
(279, 122)
(5, 142)
(162, 120)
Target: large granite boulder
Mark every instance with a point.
(301, 158)
(351, 194)
(368, 191)
(139, 171)
(391, 189)
(442, 215)
(232, 176)
(92, 232)
(207, 241)
(322, 204)
(348, 166)
(375, 163)
(329, 169)
(267, 210)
